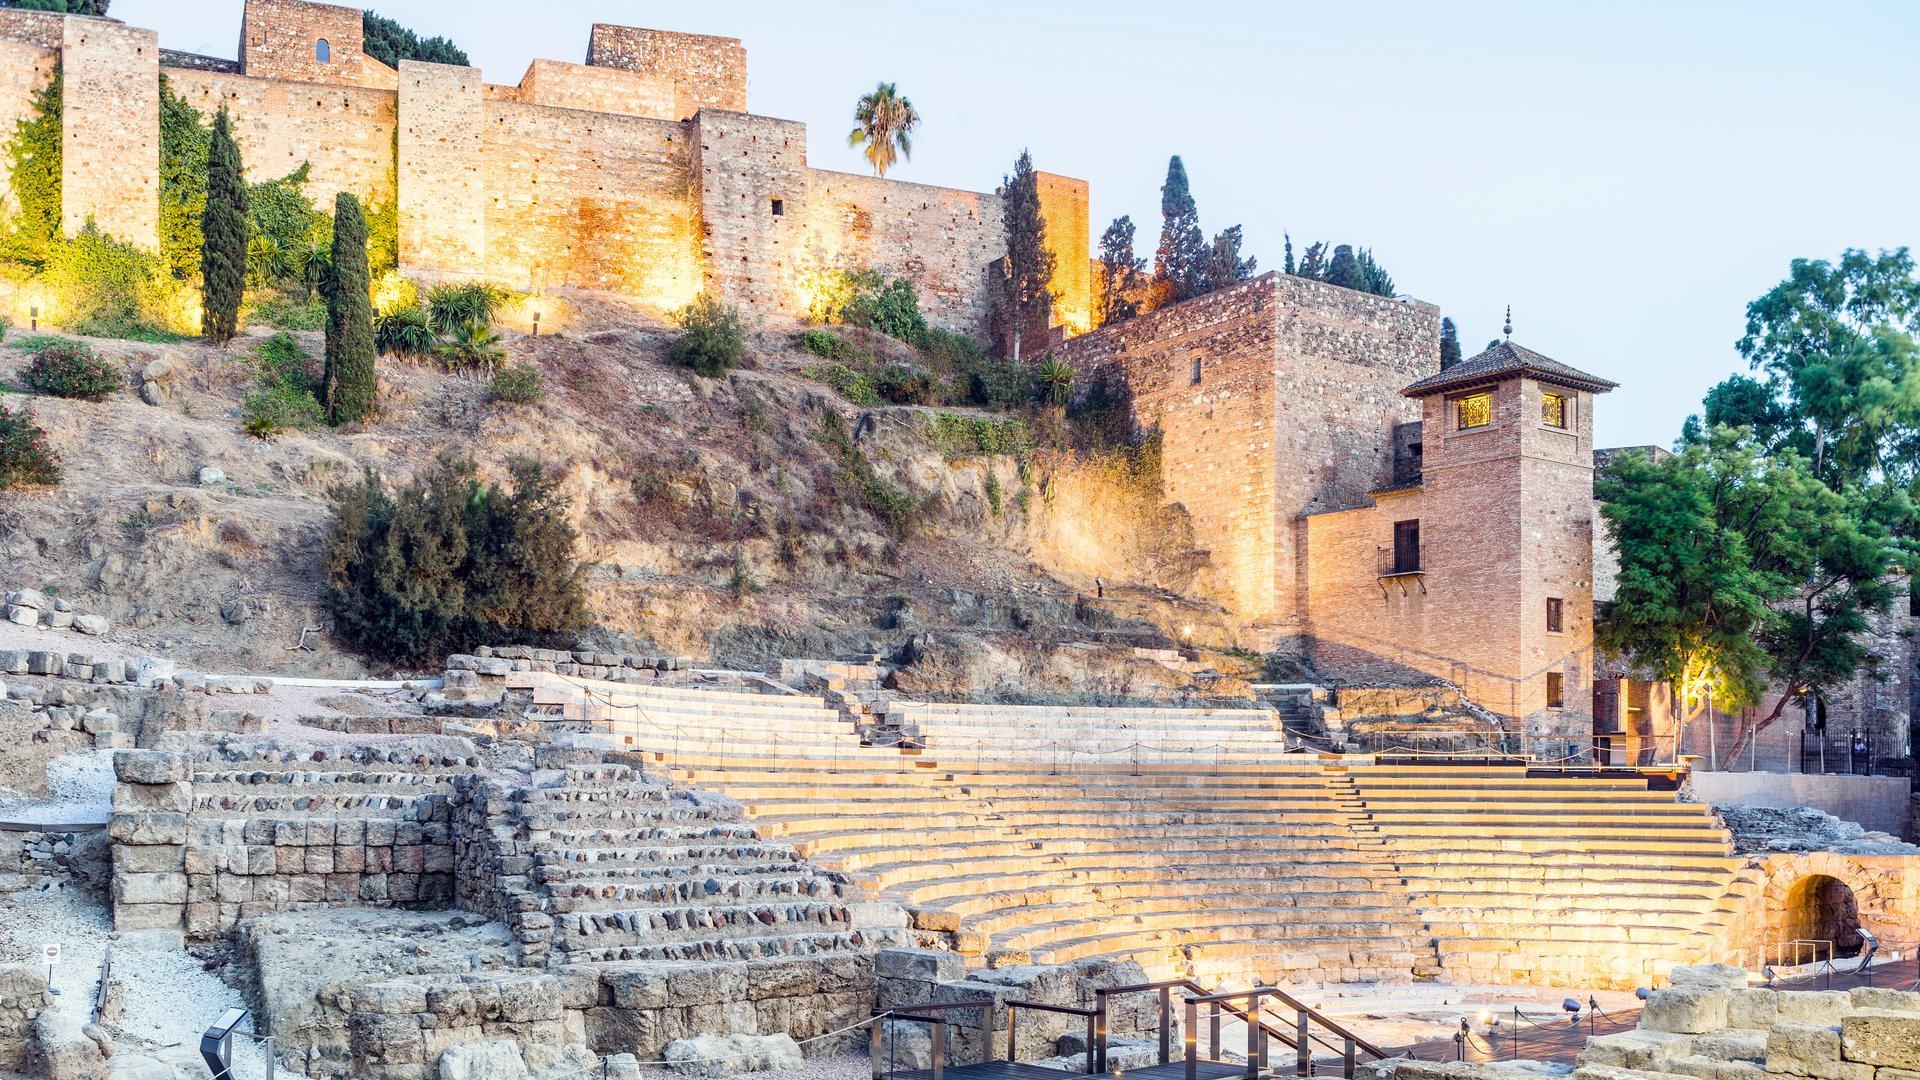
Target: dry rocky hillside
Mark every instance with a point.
(719, 524)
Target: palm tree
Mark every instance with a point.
(886, 122)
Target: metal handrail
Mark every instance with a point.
(1013, 1024)
(938, 1055)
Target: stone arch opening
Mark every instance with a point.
(1822, 908)
(323, 51)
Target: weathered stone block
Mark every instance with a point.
(1885, 998)
(1878, 1037)
(1688, 1010)
(166, 888)
(1709, 976)
(149, 767)
(1752, 1008)
(147, 828)
(1812, 1006)
(1812, 1050)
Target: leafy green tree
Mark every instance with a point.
(33, 155)
(389, 42)
(713, 338)
(1224, 268)
(67, 7)
(1345, 271)
(1027, 281)
(223, 255)
(1121, 272)
(1835, 342)
(1180, 261)
(1313, 264)
(1376, 280)
(446, 563)
(1449, 344)
(884, 122)
(185, 144)
(348, 380)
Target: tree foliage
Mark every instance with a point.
(447, 563)
(1449, 344)
(224, 228)
(389, 42)
(349, 380)
(1121, 274)
(33, 158)
(1346, 266)
(884, 122)
(66, 7)
(713, 337)
(185, 143)
(1180, 260)
(1027, 281)
(1223, 267)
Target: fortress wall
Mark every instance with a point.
(1063, 207)
(442, 170)
(1217, 453)
(110, 157)
(40, 29)
(707, 72)
(598, 89)
(939, 238)
(591, 201)
(24, 70)
(345, 132)
(278, 40)
(741, 164)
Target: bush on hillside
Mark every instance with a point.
(713, 340)
(405, 331)
(518, 384)
(101, 287)
(447, 563)
(25, 457)
(286, 400)
(905, 384)
(451, 307)
(71, 369)
(865, 297)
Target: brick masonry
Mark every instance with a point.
(706, 72)
(110, 157)
(344, 132)
(281, 39)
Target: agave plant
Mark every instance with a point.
(1054, 380)
(450, 307)
(404, 331)
(312, 264)
(472, 345)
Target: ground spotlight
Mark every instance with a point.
(1641, 992)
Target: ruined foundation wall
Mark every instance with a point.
(110, 153)
(589, 200)
(344, 132)
(940, 238)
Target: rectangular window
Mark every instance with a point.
(1474, 410)
(1556, 690)
(1406, 547)
(1553, 410)
(779, 208)
(1553, 614)
(1196, 372)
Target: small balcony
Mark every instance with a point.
(1401, 566)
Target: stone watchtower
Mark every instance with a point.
(1504, 535)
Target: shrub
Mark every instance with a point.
(446, 563)
(947, 352)
(993, 384)
(104, 288)
(825, 344)
(280, 361)
(471, 345)
(955, 434)
(713, 339)
(286, 311)
(518, 384)
(1053, 380)
(283, 229)
(905, 384)
(405, 332)
(71, 369)
(853, 385)
(893, 309)
(25, 457)
(885, 500)
(451, 307)
(270, 412)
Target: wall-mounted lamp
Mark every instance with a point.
(34, 311)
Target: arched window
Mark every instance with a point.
(322, 51)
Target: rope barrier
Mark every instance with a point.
(602, 1067)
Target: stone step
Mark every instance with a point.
(920, 882)
(1274, 924)
(1027, 927)
(792, 816)
(1228, 942)
(753, 948)
(940, 841)
(768, 888)
(655, 925)
(1028, 715)
(975, 894)
(570, 864)
(663, 834)
(866, 857)
(533, 680)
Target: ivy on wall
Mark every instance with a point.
(184, 140)
(33, 218)
(383, 218)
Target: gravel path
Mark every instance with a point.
(169, 997)
(80, 788)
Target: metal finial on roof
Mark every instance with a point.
(1508, 328)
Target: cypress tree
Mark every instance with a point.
(1181, 258)
(1119, 273)
(223, 228)
(1027, 287)
(1344, 269)
(1449, 343)
(348, 380)
(1289, 240)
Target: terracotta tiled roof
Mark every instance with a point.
(1503, 359)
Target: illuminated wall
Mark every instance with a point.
(1063, 206)
(344, 133)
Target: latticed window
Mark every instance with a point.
(1553, 410)
(1554, 609)
(1556, 690)
(1474, 410)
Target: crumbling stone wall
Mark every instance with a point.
(23, 997)
(706, 72)
(344, 132)
(110, 152)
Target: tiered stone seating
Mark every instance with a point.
(1259, 863)
(627, 871)
(1553, 878)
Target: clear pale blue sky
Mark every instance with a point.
(1627, 175)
